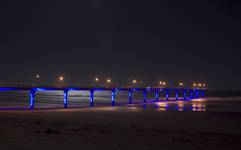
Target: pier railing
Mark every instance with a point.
(192, 93)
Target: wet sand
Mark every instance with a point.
(119, 128)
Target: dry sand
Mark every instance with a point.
(118, 128)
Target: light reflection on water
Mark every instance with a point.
(162, 106)
(199, 105)
(180, 106)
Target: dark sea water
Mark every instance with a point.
(54, 99)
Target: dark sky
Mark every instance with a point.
(149, 40)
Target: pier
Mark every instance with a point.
(192, 93)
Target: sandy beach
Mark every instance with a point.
(119, 128)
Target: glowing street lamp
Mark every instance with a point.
(36, 79)
(37, 76)
(162, 83)
(134, 81)
(108, 81)
(204, 85)
(96, 79)
(180, 84)
(61, 78)
(194, 84)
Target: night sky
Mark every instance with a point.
(189, 41)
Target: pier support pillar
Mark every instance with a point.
(176, 94)
(187, 92)
(32, 98)
(144, 95)
(167, 94)
(191, 93)
(113, 96)
(92, 97)
(203, 93)
(130, 96)
(184, 94)
(156, 95)
(197, 93)
(66, 91)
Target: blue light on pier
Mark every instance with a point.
(167, 94)
(203, 93)
(191, 93)
(32, 97)
(41, 89)
(184, 94)
(92, 98)
(176, 94)
(156, 95)
(66, 98)
(144, 94)
(197, 93)
(113, 97)
(130, 96)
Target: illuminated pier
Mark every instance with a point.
(192, 93)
